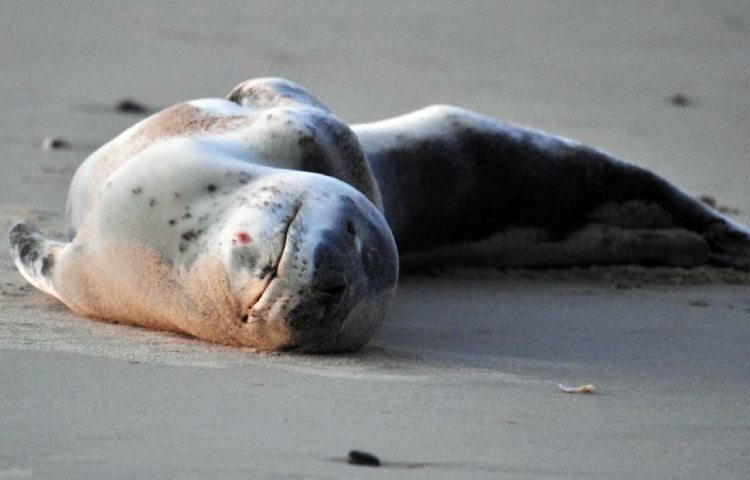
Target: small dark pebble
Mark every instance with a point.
(708, 200)
(127, 105)
(711, 202)
(357, 457)
(680, 100)
(53, 143)
(729, 210)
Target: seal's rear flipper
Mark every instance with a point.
(35, 256)
(730, 244)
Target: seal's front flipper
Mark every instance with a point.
(35, 256)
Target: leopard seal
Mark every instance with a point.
(263, 220)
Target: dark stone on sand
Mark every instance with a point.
(708, 200)
(54, 143)
(680, 100)
(358, 457)
(128, 105)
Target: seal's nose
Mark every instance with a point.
(333, 265)
(330, 288)
(328, 296)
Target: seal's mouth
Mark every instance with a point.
(270, 273)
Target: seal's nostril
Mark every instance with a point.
(331, 284)
(335, 291)
(330, 288)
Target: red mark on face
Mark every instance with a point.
(242, 238)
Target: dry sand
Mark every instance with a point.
(462, 383)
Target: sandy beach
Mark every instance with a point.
(462, 382)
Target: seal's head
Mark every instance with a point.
(311, 263)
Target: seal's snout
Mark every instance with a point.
(322, 269)
(334, 265)
(342, 259)
(330, 292)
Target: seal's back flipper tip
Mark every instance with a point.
(34, 256)
(730, 244)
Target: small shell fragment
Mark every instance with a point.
(358, 457)
(588, 388)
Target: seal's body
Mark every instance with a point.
(463, 188)
(258, 220)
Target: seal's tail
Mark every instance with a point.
(35, 256)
